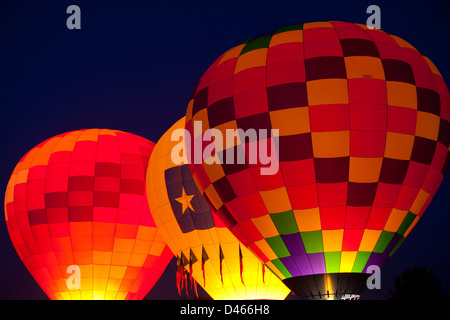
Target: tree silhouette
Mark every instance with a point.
(417, 284)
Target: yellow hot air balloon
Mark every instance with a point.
(204, 246)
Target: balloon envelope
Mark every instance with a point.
(77, 214)
(362, 147)
(194, 233)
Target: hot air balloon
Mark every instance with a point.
(361, 145)
(207, 252)
(78, 217)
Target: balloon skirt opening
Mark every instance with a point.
(332, 286)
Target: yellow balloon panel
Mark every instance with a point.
(219, 263)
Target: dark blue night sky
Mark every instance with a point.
(133, 66)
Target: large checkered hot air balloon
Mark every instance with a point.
(363, 145)
(207, 252)
(78, 216)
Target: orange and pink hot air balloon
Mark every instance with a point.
(77, 214)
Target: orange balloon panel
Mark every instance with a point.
(194, 233)
(76, 212)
